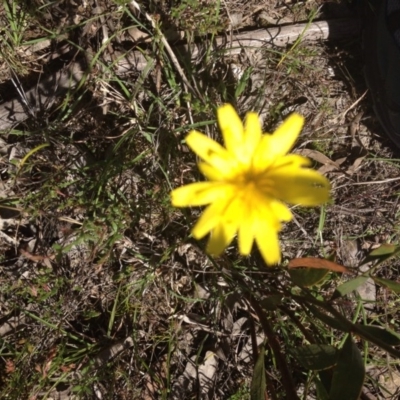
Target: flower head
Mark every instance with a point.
(249, 182)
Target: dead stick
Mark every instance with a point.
(44, 93)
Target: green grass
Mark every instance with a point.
(103, 259)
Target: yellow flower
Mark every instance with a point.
(248, 182)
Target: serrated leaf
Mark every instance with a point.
(305, 277)
(258, 383)
(316, 357)
(387, 336)
(349, 373)
(349, 286)
(392, 285)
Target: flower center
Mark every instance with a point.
(257, 184)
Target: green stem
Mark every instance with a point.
(347, 324)
(274, 345)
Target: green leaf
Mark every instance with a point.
(243, 82)
(272, 302)
(382, 253)
(325, 380)
(322, 394)
(392, 285)
(305, 277)
(349, 373)
(349, 286)
(316, 357)
(258, 383)
(383, 250)
(386, 335)
(330, 321)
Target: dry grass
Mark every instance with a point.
(103, 292)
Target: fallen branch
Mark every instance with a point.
(42, 96)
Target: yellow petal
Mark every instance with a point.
(280, 210)
(268, 243)
(220, 238)
(260, 209)
(285, 136)
(210, 172)
(294, 160)
(212, 153)
(265, 181)
(225, 230)
(265, 213)
(300, 186)
(204, 146)
(200, 193)
(211, 216)
(231, 127)
(263, 157)
(252, 136)
(272, 147)
(246, 234)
